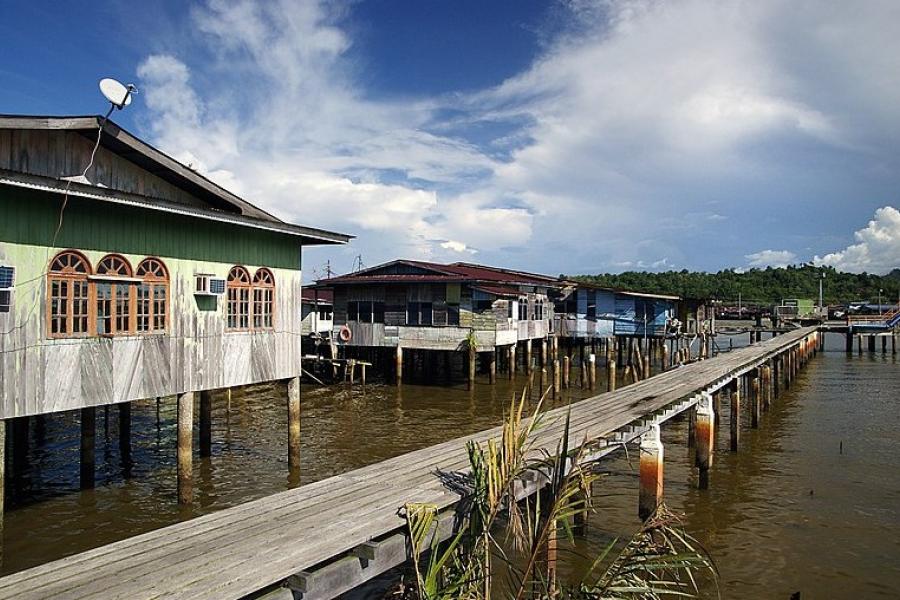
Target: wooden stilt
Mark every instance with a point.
(665, 357)
(511, 360)
(293, 402)
(88, 433)
(565, 371)
(651, 473)
(692, 430)
(399, 366)
(125, 437)
(205, 423)
(705, 438)
(592, 371)
(557, 384)
(492, 366)
(472, 355)
(646, 366)
(611, 376)
(185, 448)
(735, 415)
(528, 363)
(754, 399)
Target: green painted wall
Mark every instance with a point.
(30, 218)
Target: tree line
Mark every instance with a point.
(762, 286)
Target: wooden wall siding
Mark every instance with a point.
(39, 375)
(30, 217)
(66, 153)
(629, 322)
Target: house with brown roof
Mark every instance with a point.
(416, 306)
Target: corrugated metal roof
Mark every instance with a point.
(308, 235)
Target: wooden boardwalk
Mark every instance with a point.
(247, 548)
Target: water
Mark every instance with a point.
(788, 513)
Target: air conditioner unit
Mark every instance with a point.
(7, 277)
(208, 285)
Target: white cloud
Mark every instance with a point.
(877, 249)
(771, 258)
(617, 139)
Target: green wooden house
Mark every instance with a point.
(134, 277)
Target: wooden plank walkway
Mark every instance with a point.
(244, 549)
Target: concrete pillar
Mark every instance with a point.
(735, 415)
(205, 423)
(651, 469)
(88, 433)
(185, 448)
(754, 399)
(705, 437)
(492, 366)
(293, 402)
(399, 366)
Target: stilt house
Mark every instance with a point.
(587, 312)
(407, 304)
(127, 275)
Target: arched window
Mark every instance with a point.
(114, 299)
(238, 299)
(263, 299)
(152, 296)
(68, 292)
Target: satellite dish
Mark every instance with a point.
(118, 95)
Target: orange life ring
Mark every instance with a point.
(345, 334)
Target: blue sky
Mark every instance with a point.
(559, 136)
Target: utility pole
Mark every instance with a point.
(821, 300)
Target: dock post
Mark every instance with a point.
(754, 399)
(705, 437)
(566, 373)
(88, 432)
(528, 365)
(399, 365)
(592, 371)
(735, 415)
(125, 436)
(651, 473)
(511, 361)
(293, 399)
(472, 356)
(185, 448)
(665, 356)
(492, 366)
(647, 365)
(205, 423)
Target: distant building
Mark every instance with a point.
(422, 306)
(317, 312)
(587, 312)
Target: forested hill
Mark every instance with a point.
(757, 285)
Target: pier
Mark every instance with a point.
(323, 539)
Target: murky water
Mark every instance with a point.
(790, 512)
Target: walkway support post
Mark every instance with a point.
(754, 399)
(185, 448)
(735, 414)
(651, 469)
(705, 437)
(293, 399)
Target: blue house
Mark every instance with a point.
(586, 312)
